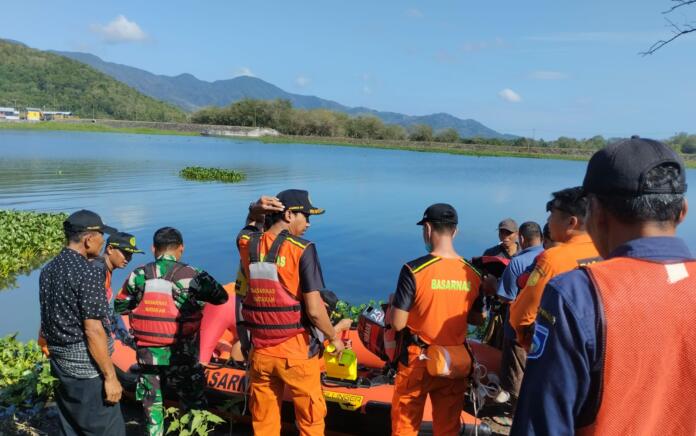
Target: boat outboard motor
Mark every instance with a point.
(376, 333)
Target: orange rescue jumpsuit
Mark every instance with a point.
(287, 364)
(445, 291)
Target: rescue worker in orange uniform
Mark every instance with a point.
(617, 354)
(436, 297)
(282, 303)
(567, 227)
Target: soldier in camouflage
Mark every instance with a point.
(176, 365)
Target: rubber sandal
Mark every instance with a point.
(502, 420)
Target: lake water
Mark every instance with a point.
(373, 199)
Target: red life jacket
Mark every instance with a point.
(270, 312)
(648, 377)
(156, 321)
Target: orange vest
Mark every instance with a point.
(288, 263)
(107, 285)
(445, 292)
(648, 378)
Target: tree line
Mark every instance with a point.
(281, 116)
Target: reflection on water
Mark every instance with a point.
(373, 200)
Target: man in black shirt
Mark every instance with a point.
(73, 314)
(508, 235)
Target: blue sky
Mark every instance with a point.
(542, 68)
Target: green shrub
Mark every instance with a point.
(194, 422)
(212, 174)
(27, 239)
(26, 382)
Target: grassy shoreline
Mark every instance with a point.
(427, 147)
(94, 128)
(477, 150)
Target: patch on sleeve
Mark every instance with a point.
(534, 277)
(547, 316)
(541, 335)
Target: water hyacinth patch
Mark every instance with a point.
(26, 382)
(27, 239)
(345, 309)
(212, 174)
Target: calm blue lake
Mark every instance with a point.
(373, 199)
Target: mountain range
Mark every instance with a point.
(35, 78)
(190, 94)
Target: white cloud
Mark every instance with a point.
(367, 90)
(120, 29)
(508, 94)
(548, 75)
(414, 13)
(243, 71)
(302, 81)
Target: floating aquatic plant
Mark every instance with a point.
(212, 174)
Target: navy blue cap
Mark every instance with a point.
(621, 168)
(298, 200)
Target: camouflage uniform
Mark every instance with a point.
(175, 367)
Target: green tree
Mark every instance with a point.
(421, 133)
(447, 135)
(689, 145)
(394, 132)
(365, 127)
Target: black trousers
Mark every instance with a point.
(82, 407)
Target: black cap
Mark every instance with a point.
(124, 242)
(85, 221)
(298, 200)
(621, 168)
(439, 213)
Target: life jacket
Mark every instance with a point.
(376, 334)
(270, 312)
(156, 321)
(494, 265)
(647, 376)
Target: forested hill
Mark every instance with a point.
(191, 94)
(33, 78)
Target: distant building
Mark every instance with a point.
(56, 115)
(33, 114)
(9, 113)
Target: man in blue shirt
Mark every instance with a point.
(514, 355)
(589, 371)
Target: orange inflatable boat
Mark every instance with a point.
(361, 407)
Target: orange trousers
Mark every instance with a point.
(269, 376)
(412, 386)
